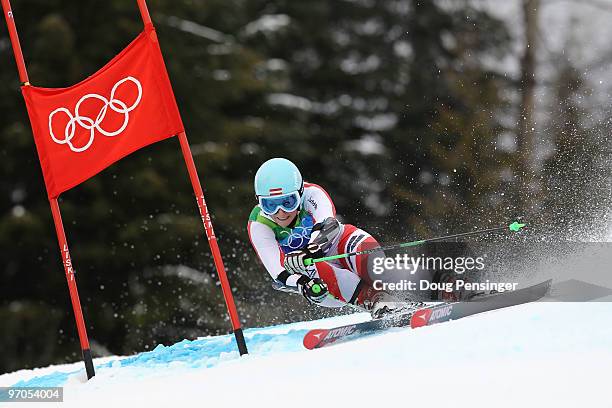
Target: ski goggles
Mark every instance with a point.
(287, 202)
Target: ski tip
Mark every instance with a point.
(313, 338)
(516, 226)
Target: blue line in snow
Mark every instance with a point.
(196, 354)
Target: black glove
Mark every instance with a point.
(313, 289)
(294, 261)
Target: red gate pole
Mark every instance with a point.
(206, 220)
(212, 241)
(57, 218)
(72, 287)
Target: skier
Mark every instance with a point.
(296, 220)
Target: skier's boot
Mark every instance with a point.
(382, 304)
(385, 305)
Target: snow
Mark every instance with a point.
(506, 142)
(355, 64)
(221, 75)
(578, 30)
(276, 64)
(403, 49)
(198, 30)
(187, 273)
(267, 23)
(289, 101)
(379, 122)
(368, 144)
(543, 354)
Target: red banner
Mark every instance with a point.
(81, 130)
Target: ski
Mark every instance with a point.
(317, 338)
(427, 316)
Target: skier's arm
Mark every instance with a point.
(318, 203)
(325, 234)
(327, 228)
(267, 248)
(269, 252)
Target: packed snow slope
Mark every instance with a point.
(540, 354)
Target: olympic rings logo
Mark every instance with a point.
(90, 124)
(298, 237)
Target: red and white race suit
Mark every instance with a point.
(342, 276)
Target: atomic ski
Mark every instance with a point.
(427, 316)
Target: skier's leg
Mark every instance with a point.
(341, 283)
(354, 240)
(378, 302)
(347, 287)
(346, 278)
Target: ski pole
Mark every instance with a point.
(514, 227)
(316, 288)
